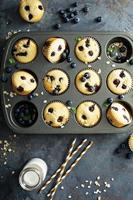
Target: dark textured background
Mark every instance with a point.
(101, 160)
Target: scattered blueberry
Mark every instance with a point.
(69, 9)
(110, 100)
(129, 155)
(61, 12)
(73, 65)
(64, 15)
(30, 96)
(8, 69)
(99, 19)
(71, 15)
(64, 55)
(69, 59)
(131, 62)
(66, 19)
(86, 9)
(76, 12)
(75, 4)
(121, 96)
(69, 103)
(76, 20)
(57, 26)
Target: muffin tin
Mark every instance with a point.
(41, 98)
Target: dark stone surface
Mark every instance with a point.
(117, 15)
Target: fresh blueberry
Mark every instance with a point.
(69, 9)
(8, 69)
(64, 15)
(75, 4)
(64, 55)
(71, 15)
(131, 62)
(85, 9)
(66, 19)
(110, 100)
(73, 65)
(61, 12)
(76, 12)
(69, 59)
(69, 103)
(76, 20)
(121, 96)
(99, 19)
(57, 26)
(30, 97)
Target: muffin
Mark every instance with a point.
(56, 81)
(130, 142)
(88, 81)
(56, 114)
(119, 81)
(118, 115)
(88, 114)
(31, 10)
(23, 83)
(24, 50)
(54, 49)
(87, 50)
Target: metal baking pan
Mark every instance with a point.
(40, 66)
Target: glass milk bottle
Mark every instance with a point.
(33, 174)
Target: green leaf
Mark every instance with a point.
(11, 60)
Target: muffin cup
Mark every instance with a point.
(23, 38)
(67, 77)
(91, 70)
(122, 70)
(127, 106)
(100, 49)
(55, 101)
(48, 46)
(97, 121)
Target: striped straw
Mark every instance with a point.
(72, 166)
(62, 169)
(59, 169)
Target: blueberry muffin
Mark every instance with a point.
(24, 50)
(88, 81)
(118, 115)
(54, 49)
(56, 81)
(23, 83)
(56, 114)
(119, 81)
(88, 114)
(31, 10)
(87, 50)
